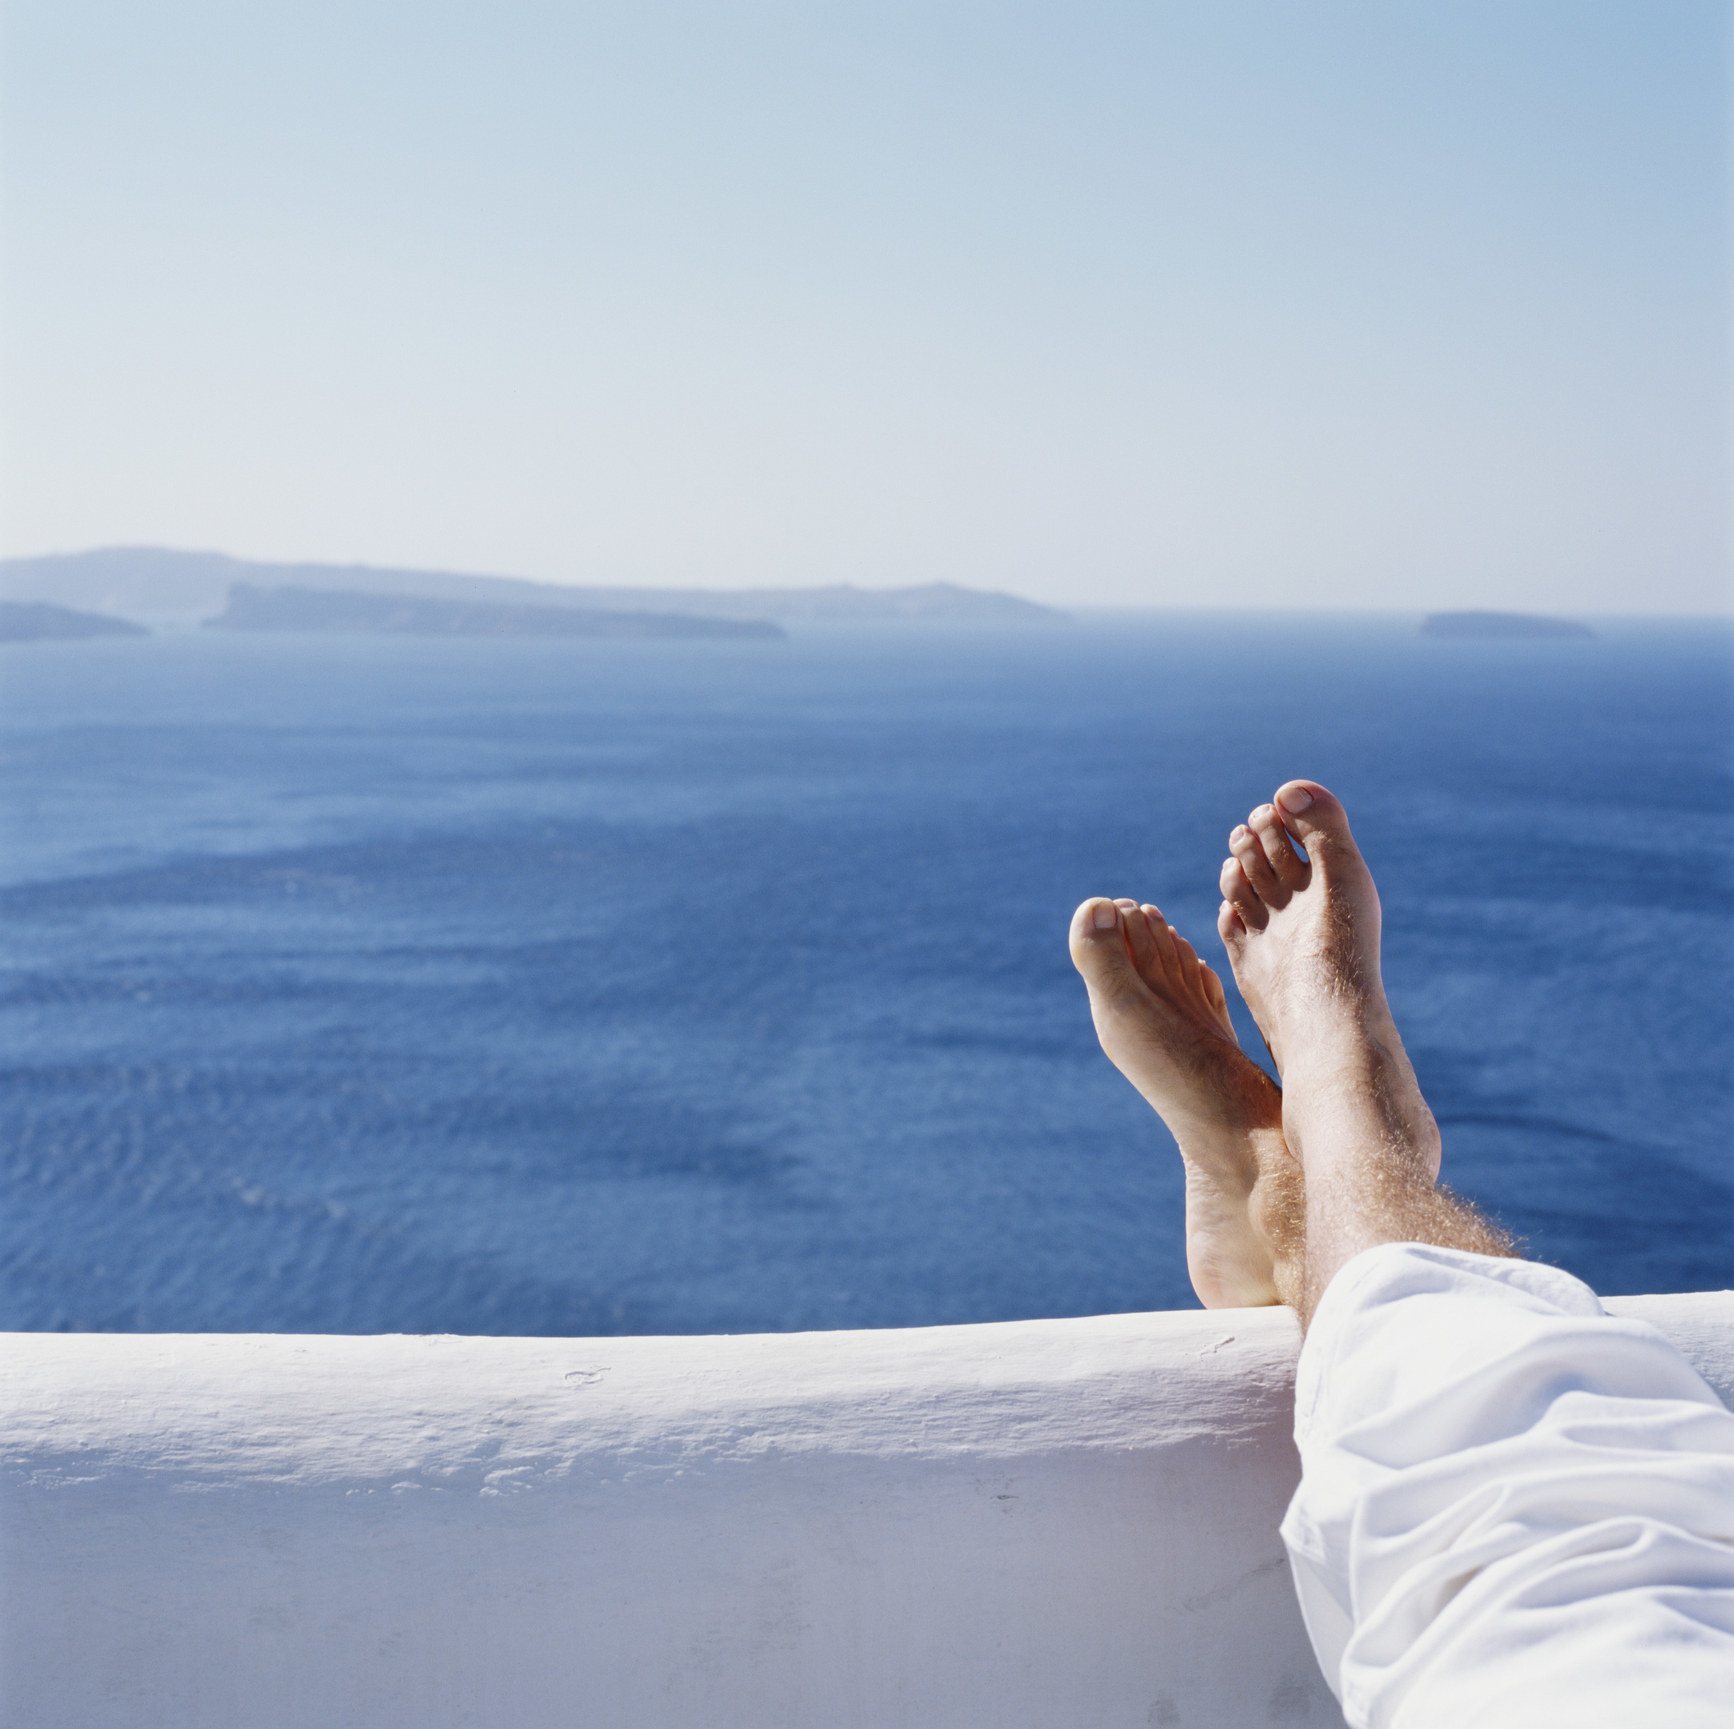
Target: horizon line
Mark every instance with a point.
(1725, 612)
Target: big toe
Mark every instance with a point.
(1099, 952)
(1315, 817)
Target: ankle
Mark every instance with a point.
(1249, 1108)
(1340, 1050)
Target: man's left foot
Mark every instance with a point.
(1161, 1017)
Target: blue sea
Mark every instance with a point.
(505, 986)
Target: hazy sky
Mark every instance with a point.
(1408, 303)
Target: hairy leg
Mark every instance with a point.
(1303, 938)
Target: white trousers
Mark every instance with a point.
(1515, 1510)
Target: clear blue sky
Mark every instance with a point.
(1403, 304)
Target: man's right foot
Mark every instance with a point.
(1302, 934)
(1160, 1014)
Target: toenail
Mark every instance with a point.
(1105, 916)
(1239, 833)
(1294, 799)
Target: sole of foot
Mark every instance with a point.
(1162, 1019)
(1302, 929)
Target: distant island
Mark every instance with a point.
(41, 621)
(355, 612)
(1501, 624)
(180, 588)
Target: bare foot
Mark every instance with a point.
(1160, 1014)
(1302, 934)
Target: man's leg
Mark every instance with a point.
(1514, 1509)
(1302, 934)
(1160, 1014)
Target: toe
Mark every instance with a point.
(1140, 942)
(1097, 921)
(1099, 950)
(1231, 927)
(1213, 990)
(1162, 933)
(1249, 850)
(1239, 894)
(1287, 865)
(1190, 964)
(1316, 817)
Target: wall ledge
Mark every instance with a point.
(1036, 1523)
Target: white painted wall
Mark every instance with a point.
(1064, 1524)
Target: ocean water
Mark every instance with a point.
(566, 987)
